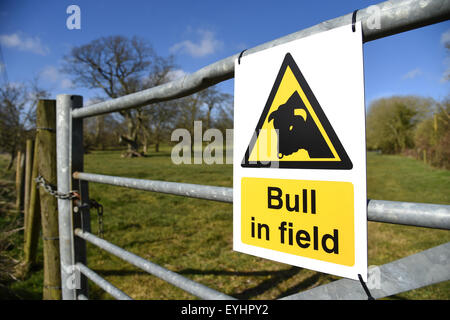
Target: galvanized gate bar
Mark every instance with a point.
(182, 189)
(407, 213)
(427, 215)
(64, 104)
(102, 283)
(394, 17)
(188, 285)
(418, 270)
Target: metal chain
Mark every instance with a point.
(40, 181)
(92, 204)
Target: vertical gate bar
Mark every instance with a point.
(63, 156)
(81, 218)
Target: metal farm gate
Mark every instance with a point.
(421, 269)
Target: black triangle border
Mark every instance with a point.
(344, 164)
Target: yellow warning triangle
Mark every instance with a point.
(293, 131)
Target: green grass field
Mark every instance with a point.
(194, 237)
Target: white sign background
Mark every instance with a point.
(332, 64)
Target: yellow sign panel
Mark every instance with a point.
(312, 219)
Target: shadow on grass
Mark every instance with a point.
(275, 273)
(302, 285)
(275, 278)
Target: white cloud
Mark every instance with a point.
(176, 74)
(66, 83)
(207, 45)
(445, 37)
(172, 75)
(93, 100)
(412, 74)
(23, 42)
(52, 75)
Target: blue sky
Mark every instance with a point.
(34, 38)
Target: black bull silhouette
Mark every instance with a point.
(297, 130)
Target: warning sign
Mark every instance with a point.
(299, 158)
(293, 130)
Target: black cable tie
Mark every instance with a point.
(48, 129)
(354, 20)
(50, 238)
(240, 56)
(52, 287)
(369, 296)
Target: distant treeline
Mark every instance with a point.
(411, 125)
(157, 122)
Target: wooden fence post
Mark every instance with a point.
(28, 168)
(19, 180)
(46, 143)
(31, 234)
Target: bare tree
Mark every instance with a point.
(12, 104)
(157, 119)
(191, 108)
(17, 115)
(224, 119)
(213, 99)
(102, 132)
(119, 66)
(202, 106)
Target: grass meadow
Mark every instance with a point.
(194, 237)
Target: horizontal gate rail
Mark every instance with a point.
(435, 216)
(102, 283)
(394, 17)
(418, 270)
(188, 285)
(222, 194)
